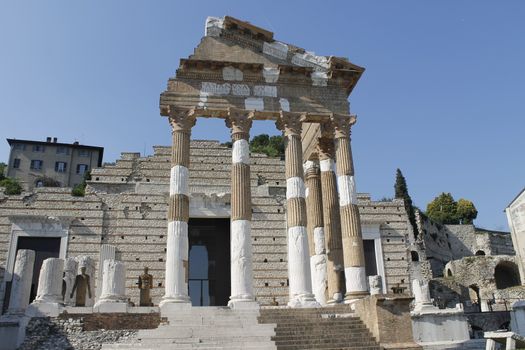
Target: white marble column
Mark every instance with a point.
(241, 207)
(113, 290)
(177, 247)
(316, 237)
(299, 273)
(50, 281)
(21, 282)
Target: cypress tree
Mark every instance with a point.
(401, 191)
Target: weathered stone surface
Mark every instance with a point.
(21, 282)
(50, 281)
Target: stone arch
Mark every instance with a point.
(473, 292)
(506, 274)
(480, 253)
(414, 255)
(449, 272)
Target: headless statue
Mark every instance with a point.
(145, 284)
(81, 286)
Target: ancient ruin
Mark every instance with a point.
(273, 251)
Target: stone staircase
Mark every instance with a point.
(323, 328)
(205, 328)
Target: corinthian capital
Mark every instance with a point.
(240, 122)
(291, 123)
(342, 124)
(181, 119)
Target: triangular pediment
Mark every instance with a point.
(239, 65)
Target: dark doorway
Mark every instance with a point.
(209, 262)
(44, 247)
(370, 257)
(506, 275)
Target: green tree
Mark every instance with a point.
(271, 146)
(443, 209)
(401, 191)
(80, 189)
(3, 168)
(466, 211)
(12, 186)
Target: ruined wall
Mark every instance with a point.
(126, 206)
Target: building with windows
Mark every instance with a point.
(35, 163)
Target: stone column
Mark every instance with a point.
(298, 253)
(113, 291)
(50, 282)
(241, 209)
(21, 282)
(70, 273)
(354, 257)
(331, 217)
(315, 229)
(176, 283)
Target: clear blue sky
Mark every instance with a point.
(442, 97)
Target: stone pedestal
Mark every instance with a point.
(48, 301)
(376, 285)
(113, 294)
(445, 326)
(21, 282)
(387, 317)
(422, 301)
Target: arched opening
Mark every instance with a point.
(449, 273)
(480, 253)
(506, 275)
(414, 255)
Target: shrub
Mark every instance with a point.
(12, 186)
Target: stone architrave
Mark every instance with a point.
(177, 247)
(113, 294)
(331, 216)
(376, 285)
(241, 209)
(316, 237)
(353, 252)
(70, 273)
(299, 274)
(86, 267)
(21, 282)
(50, 282)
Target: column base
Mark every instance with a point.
(169, 307)
(303, 300)
(41, 309)
(104, 306)
(336, 299)
(353, 296)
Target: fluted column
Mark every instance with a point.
(331, 216)
(298, 253)
(176, 283)
(21, 282)
(241, 207)
(50, 281)
(354, 257)
(315, 229)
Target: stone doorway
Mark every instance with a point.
(209, 261)
(44, 247)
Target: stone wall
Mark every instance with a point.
(126, 206)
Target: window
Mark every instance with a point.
(36, 164)
(82, 169)
(60, 167)
(38, 148)
(16, 163)
(62, 150)
(83, 153)
(19, 146)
